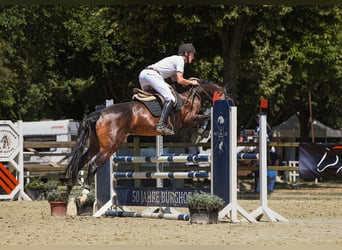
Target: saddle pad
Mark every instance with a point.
(154, 107)
(153, 101)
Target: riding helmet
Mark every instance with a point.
(186, 48)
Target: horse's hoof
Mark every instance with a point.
(165, 130)
(82, 199)
(169, 132)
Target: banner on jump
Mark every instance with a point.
(155, 197)
(320, 160)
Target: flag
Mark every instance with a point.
(216, 96)
(263, 104)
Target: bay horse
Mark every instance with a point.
(103, 132)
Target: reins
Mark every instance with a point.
(206, 93)
(193, 92)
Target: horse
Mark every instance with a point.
(103, 132)
(4, 141)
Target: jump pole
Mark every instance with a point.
(112, 198)
(263, 209)
(165, 211)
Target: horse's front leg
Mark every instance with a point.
(196, 120)
(201, 118)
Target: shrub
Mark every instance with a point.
(57, 195)
(35, 184)
(202, 200)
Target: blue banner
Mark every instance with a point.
(220, 148)
(320, 161)
(155, 197)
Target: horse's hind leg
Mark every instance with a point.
(108, 145)
(93, 165)
(86, 157)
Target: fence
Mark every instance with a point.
(49, 168)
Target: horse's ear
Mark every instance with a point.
(227, 89)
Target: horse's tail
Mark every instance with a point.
(76, 162)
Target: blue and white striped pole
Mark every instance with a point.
(162, 175)
(162, 158)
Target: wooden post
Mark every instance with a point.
(311, 120)
(136, 151)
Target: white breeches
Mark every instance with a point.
(149, 78)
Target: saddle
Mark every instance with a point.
(145, 96)
(154, 102)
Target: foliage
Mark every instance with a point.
(35, 183)
(59, 62)
(51, 185)
(53, 192)
(202, 200)
(57, 195)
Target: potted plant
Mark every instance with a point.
(204, 207)
(57, 198)
(50, 185)
(35, 189)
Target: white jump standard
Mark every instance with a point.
(264, 209)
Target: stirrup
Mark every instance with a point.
(164, 129)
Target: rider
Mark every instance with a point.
(173, 66)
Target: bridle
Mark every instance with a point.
(193, 92)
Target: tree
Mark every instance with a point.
(62, 61)
(315, 59)
(33, 35)
(7, 93)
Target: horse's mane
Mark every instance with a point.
(204, 81)
(180, 88)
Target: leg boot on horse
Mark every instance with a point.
(162, 124)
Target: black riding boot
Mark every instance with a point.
(162, 126)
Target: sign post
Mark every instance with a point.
(224, 145)
(12, 161)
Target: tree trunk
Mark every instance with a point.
(304, 118)
(231, 37)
